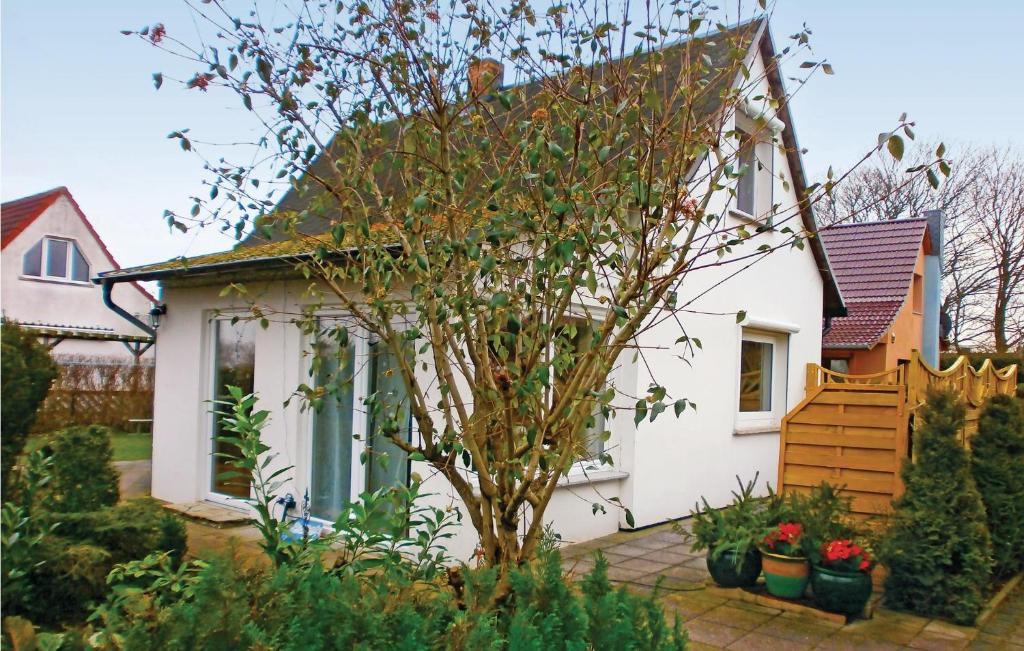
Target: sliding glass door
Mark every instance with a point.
(351, 448)
(332, 443)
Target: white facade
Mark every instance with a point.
(661, 468)
(63, 301)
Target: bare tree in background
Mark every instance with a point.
(983, 258)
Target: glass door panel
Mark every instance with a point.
(234, 352)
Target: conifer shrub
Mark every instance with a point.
(937, 548)
(83, 477)
(997, 464)
(26, 375)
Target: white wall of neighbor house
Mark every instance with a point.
(64, 302)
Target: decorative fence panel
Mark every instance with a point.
(97, 392)
(854, 431)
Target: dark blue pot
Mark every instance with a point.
(729, 574)
(845, 593)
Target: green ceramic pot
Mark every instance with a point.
(841, 592)
(729, 574)
(785, 576)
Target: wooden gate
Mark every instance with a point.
(854, 431)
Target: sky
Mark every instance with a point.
(78, 107)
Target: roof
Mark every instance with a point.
(17, 215)
(874, 265)
(316, 218)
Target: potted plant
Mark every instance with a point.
(841, 580)
(786, 568)
(730, 536)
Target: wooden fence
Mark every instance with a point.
(854, 431)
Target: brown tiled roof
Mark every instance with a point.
(874, 265)
(316, 215)
(15, 216)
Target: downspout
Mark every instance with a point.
(108, 287)
(932, 288)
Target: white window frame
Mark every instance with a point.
(763, 149)
(208, 396)
(754, 422)
(44, 257)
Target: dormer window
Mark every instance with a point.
(53, 258)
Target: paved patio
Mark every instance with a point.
(639, 558)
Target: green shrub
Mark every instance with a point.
(937, 548)
(83, 475)
(224, 604)
(997, 463)
(65, 569)
(26, 373)
(129, 531)
(738, 528)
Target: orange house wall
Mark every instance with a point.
(908, 328)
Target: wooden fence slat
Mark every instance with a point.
(884, 442)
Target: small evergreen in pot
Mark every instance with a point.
(786, 568)
(730, 536)
(841, 580)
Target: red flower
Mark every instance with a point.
(199, 81)
(157, 33)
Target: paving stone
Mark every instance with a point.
(758, 642)
(880, 631)
(667, 556)
(689, 605)
(729, 615)
(844, 642)
(755, 608)
(627, 549)
(686, 573)
(936, 642)
(644, 565)
(948, 629)
(712, 633)
(650, 542)
(619, 574)
(807, 631)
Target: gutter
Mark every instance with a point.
(108, 286)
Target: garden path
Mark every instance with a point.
(639, 558)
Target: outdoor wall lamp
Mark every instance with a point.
(159, 309)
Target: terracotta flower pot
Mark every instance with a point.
(841, 592)
(785, 576)
(729, 574)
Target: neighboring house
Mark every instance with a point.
(50, 254)
(891, 293)
(747, 377)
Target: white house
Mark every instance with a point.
(661, 468)
(50, 254)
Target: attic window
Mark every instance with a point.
(746, 186)
(53, 258)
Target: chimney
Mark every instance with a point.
(930, 330)
(485, 75)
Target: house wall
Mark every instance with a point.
(182, 417)
(66, 303)
(662, 467)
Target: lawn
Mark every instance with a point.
(128, 446)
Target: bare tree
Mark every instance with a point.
(984, 236)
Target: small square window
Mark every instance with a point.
(756, 376)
